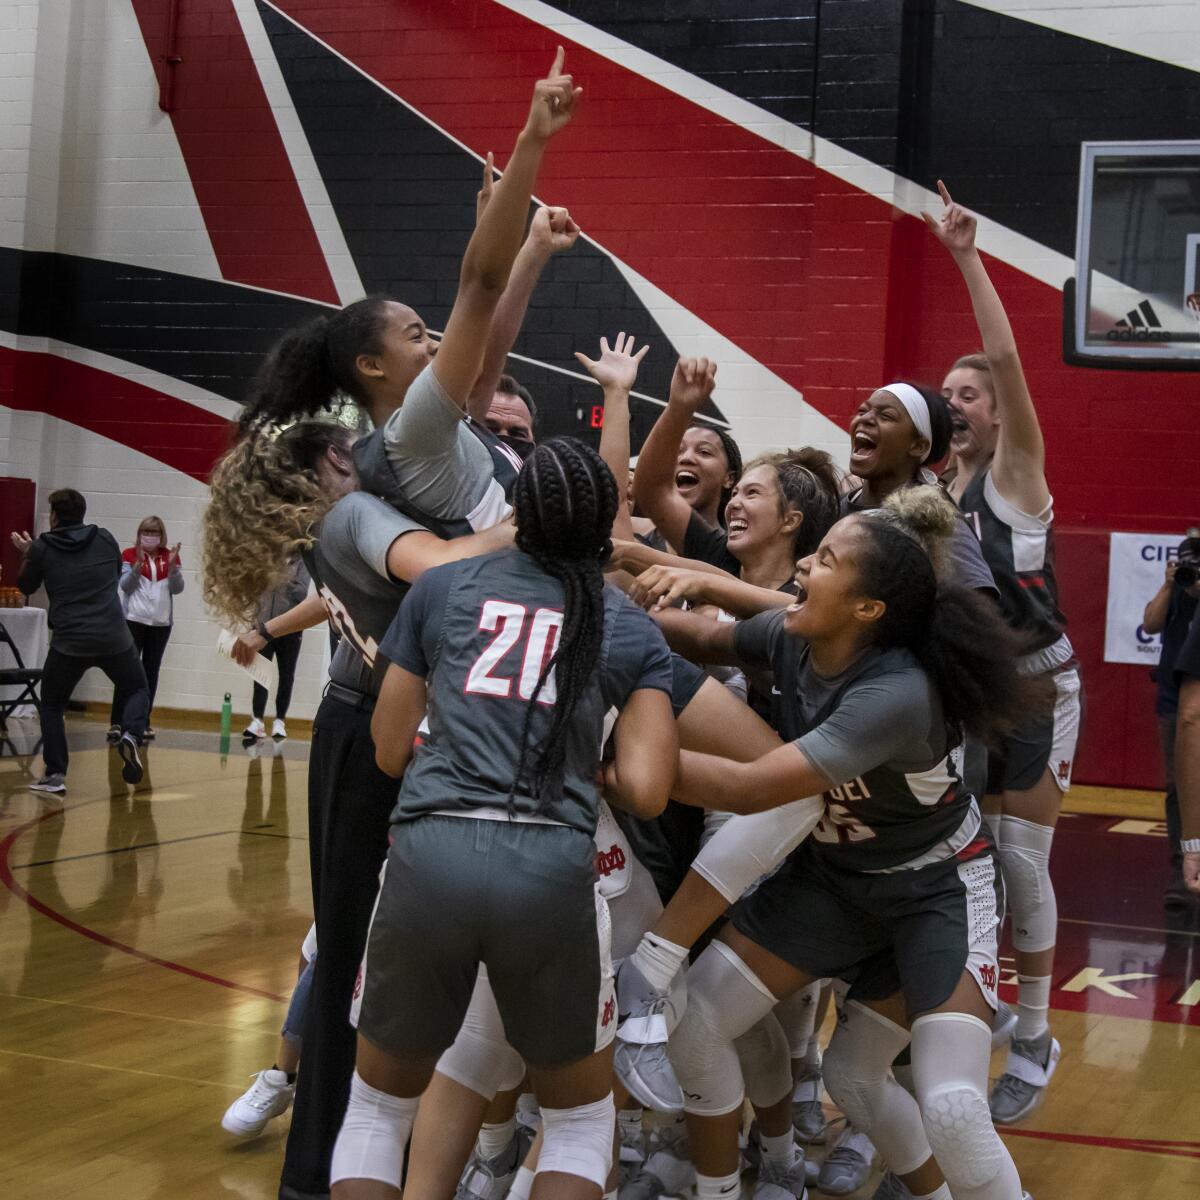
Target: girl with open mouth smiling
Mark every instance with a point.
(881, 667)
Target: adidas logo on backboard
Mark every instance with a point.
(1140, 324)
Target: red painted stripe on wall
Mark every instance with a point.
(259, 225)
(830, 287)
(170, 430)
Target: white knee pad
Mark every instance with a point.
(725, 998)
(797, 1014)
(1025, 859)
(857, 1073)
(950, 1056)
(579, 1141)
(481, 1058)
(374, 1133)
(765, 1061)
(741, 851)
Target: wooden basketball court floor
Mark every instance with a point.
(149, 939)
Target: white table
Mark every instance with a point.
(28, 628)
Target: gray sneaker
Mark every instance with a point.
(848, 1164)
(773, 1184)
(808, 1117)
(490, 1178)
(891, 1187)
(640, 1059)
(1022, 1087)
(50, 783)
(1003, 1025)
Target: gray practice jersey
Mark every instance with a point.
(348, 563)
(481, 631)
(437, 465)
(877, 734)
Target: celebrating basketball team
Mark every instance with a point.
(625, 773)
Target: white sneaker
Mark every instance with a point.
(256, 729)
(278, 728)
(268, 1097)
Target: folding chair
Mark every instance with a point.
(26, 678)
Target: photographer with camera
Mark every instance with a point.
(1170, 613)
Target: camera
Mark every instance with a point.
(1188, 570)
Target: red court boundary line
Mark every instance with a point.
(1141, 1145)
(38, 906)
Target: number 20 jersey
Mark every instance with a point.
(481, 631)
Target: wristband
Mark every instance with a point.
(1190, 845)
(261, 630)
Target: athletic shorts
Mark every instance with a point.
(1050, 741)
(913, 932)
(519, 898)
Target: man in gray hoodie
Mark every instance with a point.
(79, 565)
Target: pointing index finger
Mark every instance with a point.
(559, 57)
(944, 192)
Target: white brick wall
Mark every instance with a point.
(122, 486)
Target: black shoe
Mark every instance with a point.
(114, 733)
(1176, 895)
(127, 748)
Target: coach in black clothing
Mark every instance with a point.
(80, 565)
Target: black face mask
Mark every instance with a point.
(522, 447)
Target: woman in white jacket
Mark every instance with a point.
(151, 578)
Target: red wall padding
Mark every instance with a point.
(1119, 745)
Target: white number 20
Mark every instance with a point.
(508, 622)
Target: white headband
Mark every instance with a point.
(915, 405)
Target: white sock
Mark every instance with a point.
(1033, 1006)
(629, 1122)
(812, 1055)
(779, 1151)
(495, 1138)
(523, 1185)
(943, 1193)
(718, 1187)
(659, 960)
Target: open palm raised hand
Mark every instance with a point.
(617, 366)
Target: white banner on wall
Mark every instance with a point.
(1137, 564)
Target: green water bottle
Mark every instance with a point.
(226, 721)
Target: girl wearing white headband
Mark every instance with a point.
(898, 431)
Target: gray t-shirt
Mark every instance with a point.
(878, 735)
(437, 463)
(481, 632)
(349, 565)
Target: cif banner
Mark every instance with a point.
(1137, 564)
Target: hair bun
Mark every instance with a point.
(923, 511)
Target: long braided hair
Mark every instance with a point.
(565, 501)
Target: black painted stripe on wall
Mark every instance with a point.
(404, 195)
(205, 332)
(995, 105)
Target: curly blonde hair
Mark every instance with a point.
(265, 500)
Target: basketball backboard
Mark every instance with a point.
(1136, 297)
